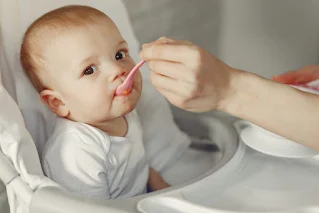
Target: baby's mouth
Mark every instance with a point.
(126, 92)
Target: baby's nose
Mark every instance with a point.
(119, 73)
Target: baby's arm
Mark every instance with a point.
(156, 181)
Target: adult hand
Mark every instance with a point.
(187, 75)
(300, 76)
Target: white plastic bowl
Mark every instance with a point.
(270, 143)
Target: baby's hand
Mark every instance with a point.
(155, 181)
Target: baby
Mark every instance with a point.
(75, 57)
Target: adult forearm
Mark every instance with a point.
(279, 108)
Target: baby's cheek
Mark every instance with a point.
(92, 99)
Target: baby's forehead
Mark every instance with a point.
(58, 35)
(81, 37)
(67, 21)
(70, 47)
(59, 28)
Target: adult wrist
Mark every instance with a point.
(232, 89)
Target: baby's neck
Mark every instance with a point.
(115, 127)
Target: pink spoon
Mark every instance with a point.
(127, 85)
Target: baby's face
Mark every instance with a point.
(85, 66)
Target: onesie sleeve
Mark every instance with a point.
(79, 162)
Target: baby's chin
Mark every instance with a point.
(131, 103)
(124, 104)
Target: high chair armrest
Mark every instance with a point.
(8, 172)
(58, 200)
(10, 177)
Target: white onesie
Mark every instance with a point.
(90, 163)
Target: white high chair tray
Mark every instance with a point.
(250, 182)
(274, 145)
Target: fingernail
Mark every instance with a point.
(165, 40)
(162, 38)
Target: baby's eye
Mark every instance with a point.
(90, 70)
(120, 55)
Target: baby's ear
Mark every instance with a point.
(52, 99)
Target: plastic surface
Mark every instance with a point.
(54, 200)
(269, 143)
(250, 182)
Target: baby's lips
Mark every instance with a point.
(124, 89)
(124, 92)
(127, 91)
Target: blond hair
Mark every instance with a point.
(64, 18)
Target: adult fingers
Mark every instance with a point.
(180, 88)
(173, 98)
(200, 104)
(177, 52)
(171, 69)
(166, 40)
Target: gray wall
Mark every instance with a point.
(262, 36)
(194, 20)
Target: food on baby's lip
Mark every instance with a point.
(125, 92)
